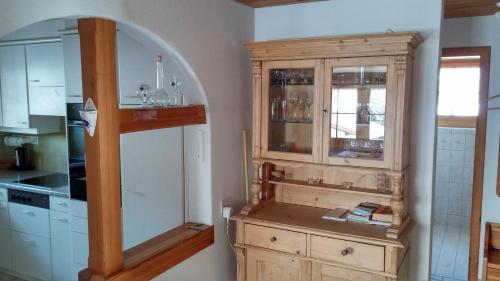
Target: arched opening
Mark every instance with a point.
(169, 167)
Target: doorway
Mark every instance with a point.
(459, 163)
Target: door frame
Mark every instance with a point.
(479, 154)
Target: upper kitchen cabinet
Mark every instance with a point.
(13, 87)
(72, 68)
(45, 64)
(360, 114)
(291, 94)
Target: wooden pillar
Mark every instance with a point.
(98, 53)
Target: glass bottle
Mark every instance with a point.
(160, 96)
(177, 96)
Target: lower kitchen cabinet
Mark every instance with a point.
(5, 259)
(268, 266)
(60, 236)
(31, 255)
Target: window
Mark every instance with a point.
(459, 86)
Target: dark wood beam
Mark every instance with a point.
(97, 43)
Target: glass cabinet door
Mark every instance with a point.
(357, 98)
(289, 111)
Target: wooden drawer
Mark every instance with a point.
(349, 253)
(59, 204)
(322, 272)
(276, 239)
(30, 220)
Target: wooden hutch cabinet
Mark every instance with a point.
(331, 129)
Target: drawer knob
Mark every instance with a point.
(273, 239)
(347, 251)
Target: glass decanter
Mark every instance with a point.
(160, 97)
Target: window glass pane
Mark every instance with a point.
(358, 112)
(291, 98)
(459, 91)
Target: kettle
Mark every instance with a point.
(21, 159)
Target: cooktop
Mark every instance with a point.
(50, 181)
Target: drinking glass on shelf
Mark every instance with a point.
(293, 109)
(283, 111)
(274, 109)
(301, 108)
(309, 103)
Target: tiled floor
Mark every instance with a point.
(450, 253)
(6, 277)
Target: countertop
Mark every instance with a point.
(8, 178)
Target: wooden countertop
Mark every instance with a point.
(309, 219)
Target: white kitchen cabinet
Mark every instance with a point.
(3, 194)
(60, 236)
(79, 237)
(13, 87)
(31, 255)
(72, 68)
(152, 184)
(59, 204)
(4, 215)
(45, 64)
(28, 219)
(5, 252)
(136, 66)
(47, 101)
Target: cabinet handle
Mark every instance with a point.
(62, 220)
(24, 122)
(136, 193)
(29, 213)
(273, 239)
(29, 241)
(62, 204)
(34, 80)
(347, 251)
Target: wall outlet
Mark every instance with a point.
(226, 212)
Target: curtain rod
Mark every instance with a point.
(30, 41)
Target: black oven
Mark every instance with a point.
(76, 152)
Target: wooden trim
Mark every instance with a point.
(157, 255)
(452, 8)
(457, 121)
(142, 119)
(479, 154)
(469, 8)
(98, 53)
(498, 172)
(368, 45)
(270, 3)
(460, 63)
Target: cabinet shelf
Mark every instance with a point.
(334, 187)
(144, 119)
(291, 122)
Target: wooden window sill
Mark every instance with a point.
(457, 121)
(155, 256)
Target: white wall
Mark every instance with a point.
(341, 17)
(483, 31)
(208, 36)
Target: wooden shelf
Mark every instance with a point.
(155, 256)
(144, 119)
(309, 219)
(333, 187)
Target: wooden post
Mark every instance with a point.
(98, 53)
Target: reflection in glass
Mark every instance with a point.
(291, 98)
(358, 112)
